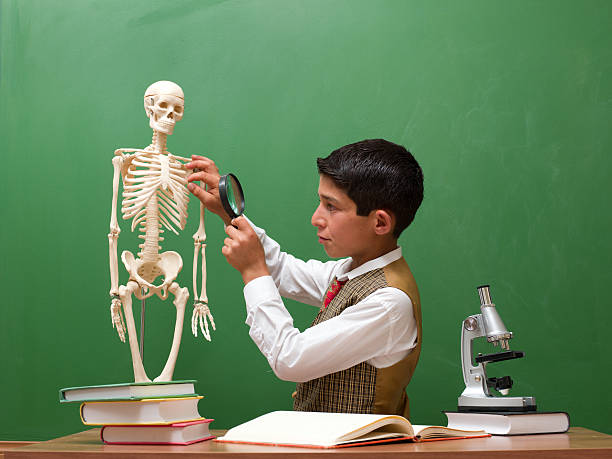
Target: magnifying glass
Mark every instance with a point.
(232, 197)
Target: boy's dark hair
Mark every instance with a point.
(377, 174)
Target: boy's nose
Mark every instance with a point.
(316, 219)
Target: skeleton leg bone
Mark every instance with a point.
(125, 293)
(180, 300)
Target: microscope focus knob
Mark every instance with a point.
(470, 324)
(501, 384)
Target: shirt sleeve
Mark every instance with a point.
(303, 281)
(380, 329)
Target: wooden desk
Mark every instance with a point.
(577, 443)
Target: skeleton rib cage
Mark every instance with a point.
(155, 196)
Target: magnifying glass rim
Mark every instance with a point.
(224, 198)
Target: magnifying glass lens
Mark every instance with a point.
(231, 195)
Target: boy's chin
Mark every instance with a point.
(334, 253)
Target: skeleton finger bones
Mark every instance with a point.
(201, 315)
(117, 318)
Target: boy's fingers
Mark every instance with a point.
(201, 158)
(201, 194)
(209, 179)
(204, 164)
(231, 230)
(241, 223)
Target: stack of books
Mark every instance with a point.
(155, 413)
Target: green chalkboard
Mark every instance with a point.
(506, 105)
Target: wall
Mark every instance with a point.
(506, 105)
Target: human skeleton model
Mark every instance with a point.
(155, 197)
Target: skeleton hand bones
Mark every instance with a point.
(201, 314)
(117, 318)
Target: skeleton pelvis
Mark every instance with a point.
(144, 273)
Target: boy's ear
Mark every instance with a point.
(385, 222)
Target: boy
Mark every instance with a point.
(363, 346)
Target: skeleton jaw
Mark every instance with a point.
(162, 126)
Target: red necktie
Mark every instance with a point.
(334, 288)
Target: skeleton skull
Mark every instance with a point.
(164, 103)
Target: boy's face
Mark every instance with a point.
(342, 232)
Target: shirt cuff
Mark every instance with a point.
(260, 290)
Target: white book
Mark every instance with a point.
(510, 423)
(332, 430)
(145, 411)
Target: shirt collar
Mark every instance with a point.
(371, 265)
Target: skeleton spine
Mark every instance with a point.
(150, 248)
(159, 142)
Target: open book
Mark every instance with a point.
(334, 430)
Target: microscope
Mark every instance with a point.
(477, 396)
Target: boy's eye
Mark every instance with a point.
(330, 207)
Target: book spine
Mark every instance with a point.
(81, 413)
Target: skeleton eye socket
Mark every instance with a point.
(163, 105)
(178, 109)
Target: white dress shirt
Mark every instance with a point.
(380, 329)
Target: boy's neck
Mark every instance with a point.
(376, 251)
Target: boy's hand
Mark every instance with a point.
(244, 251)
(209, 174)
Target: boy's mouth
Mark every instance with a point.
(322, 239)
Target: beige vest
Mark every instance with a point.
(365, 388)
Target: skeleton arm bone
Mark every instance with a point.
(114, 228)
(117, 319)
(201, 312)
(199, 239)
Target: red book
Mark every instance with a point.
(180, 433)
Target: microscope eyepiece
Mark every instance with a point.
(485, 295)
